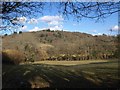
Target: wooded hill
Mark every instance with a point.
(57, 45)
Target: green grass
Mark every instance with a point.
(96, 74)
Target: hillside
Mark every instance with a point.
(57, 45)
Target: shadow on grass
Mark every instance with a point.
(46, 76)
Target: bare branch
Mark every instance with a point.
(79, 10)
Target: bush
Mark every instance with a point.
(48, 30)
(42, 35)
(15, 32)
(12, 57)
(20, 32)
(5, 35)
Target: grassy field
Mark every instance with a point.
(68, 63)
(63, 74)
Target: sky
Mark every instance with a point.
(54, 21)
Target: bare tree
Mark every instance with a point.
(93, 10)
(12, 10)
(79, 10)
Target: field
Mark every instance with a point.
(62, 74)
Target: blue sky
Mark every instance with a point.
(53, 20)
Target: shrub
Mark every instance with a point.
(95, 36)
(48, 30)
(104, 34)
(20, 32)
(5, 35)
(42, 35)
(15, 32)
(12, 57)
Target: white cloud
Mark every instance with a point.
(34, 29)
(44, 28)
(51, 18)
(56, 28)
(19, 20)
(22, 19)
(116, 27)
(23, 28)
(96, 34)
(51, 28)
(54, 22)
(99, 34)
(33, 21)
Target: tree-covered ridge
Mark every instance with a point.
(59, 45)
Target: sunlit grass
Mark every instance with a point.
(72, 62)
